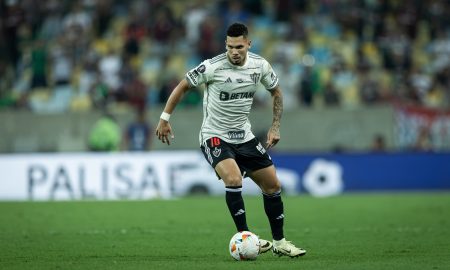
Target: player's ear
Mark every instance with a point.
(249, 43)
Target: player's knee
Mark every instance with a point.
(233, 180)
(272, 187)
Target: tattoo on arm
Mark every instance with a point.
(277, 109)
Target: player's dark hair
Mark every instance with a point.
(237, 30)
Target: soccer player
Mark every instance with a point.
(226, 139)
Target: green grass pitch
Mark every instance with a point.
(354, 231)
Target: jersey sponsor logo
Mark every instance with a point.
(255, 77)
(216, 152)
(201, 68)
(228, 80)
(236, 134)
(224, 96)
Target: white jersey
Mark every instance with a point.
(229, 93)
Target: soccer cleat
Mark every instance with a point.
(286, 248)
(264, 246)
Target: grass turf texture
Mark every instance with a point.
(356, 231)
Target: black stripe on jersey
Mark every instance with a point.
(218, 58)
(226, 68)
(255, 56)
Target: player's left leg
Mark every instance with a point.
(268, 181)
(273, 205)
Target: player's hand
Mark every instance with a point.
(273, 137)
(163, 130)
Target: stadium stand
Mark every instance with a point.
(89, 55)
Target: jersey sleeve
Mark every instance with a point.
(200, 74)
(269, 77)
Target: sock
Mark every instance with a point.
(236, 206)
(273, 205)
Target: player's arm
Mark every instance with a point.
(164, 129)
(273, 136)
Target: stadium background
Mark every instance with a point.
(362, 78)
(366, 118)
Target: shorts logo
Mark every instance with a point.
(261, 148)
(217, 152)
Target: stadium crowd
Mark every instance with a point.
(61, 55)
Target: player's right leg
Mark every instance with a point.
(222, 158)
(230, 174)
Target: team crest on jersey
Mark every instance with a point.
(216, 152)
(255, 77)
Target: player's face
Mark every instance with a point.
(237, 48)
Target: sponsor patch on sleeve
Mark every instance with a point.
(193, 76)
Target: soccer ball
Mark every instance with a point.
(244, 246)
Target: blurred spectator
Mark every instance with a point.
(52, 22)
(306, 87)
(134, 33)
(162, 28)
(103, 16)
(210, 44)
(194, 16)
(77, 18)
(234, 12)
(12, 16)
(357, 52)
(330, 96)
(423, 141)
(100, 94)
(39, 65)
(105, 135)
(368, 88)
(166, 88)
(62, 66)
(109, 67)
(138, 133)
(136, 92)
(378, 143)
